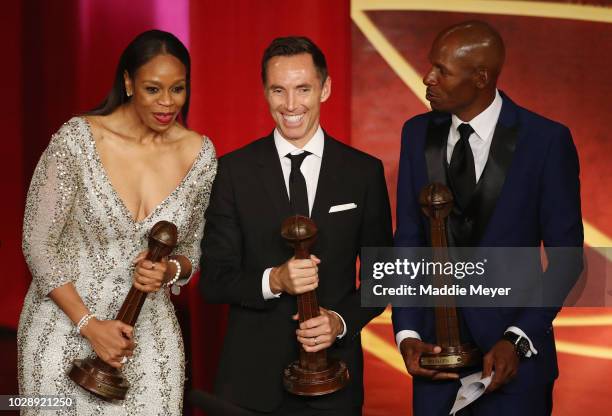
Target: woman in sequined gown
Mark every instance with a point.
(104, 180)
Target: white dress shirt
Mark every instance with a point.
(310, 168)
(480, 142)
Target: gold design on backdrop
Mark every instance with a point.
(387, 352)
(592, 236)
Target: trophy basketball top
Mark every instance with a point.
(436, 201)
(163, 233)
(298, 228)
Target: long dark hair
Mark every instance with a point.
(141, 50)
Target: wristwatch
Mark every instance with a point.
(521, 344)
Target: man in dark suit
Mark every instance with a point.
(514, 178)
(298, 168)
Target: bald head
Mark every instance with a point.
(466, 60)
(477, 44)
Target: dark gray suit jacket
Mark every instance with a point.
(242, 238)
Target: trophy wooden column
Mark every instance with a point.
(95, 375)
(313, 374)
(436, 201)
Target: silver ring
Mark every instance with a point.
(123, 360)
(315, 341)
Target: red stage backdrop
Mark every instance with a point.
(62, 60)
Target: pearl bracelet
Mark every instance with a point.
(177, 274)
(84, 321)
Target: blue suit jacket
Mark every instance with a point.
(537, 200)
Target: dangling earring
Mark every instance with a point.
(128, 93)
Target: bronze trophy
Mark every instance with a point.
(313, 374)
(95, 375)
(436, 201)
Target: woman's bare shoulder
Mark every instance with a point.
(191, 139)
(99, 125)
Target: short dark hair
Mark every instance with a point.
(294, 45)
(141, 50)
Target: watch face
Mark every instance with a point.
(522, 347)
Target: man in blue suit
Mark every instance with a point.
(514, 178)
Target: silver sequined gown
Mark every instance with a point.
(77, 229)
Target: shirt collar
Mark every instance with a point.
(485, 122)
(314, 145)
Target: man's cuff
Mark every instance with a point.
(343, 325)
(265, 286)
(519, 331)
(405, 333)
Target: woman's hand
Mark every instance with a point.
(111, 340)
(149, 276)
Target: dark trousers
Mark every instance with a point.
(436, 399)
(537, 401)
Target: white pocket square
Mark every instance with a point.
(342, 207)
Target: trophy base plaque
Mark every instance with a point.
(99, 378)
(303, 382)
(452, 358)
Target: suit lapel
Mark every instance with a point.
(489, 187)
(271, 177)
(435, 147)
(492, 180)
(328, 176)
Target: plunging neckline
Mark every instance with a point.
(117, 197)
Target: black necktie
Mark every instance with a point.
(461, 168)
(298, 195)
